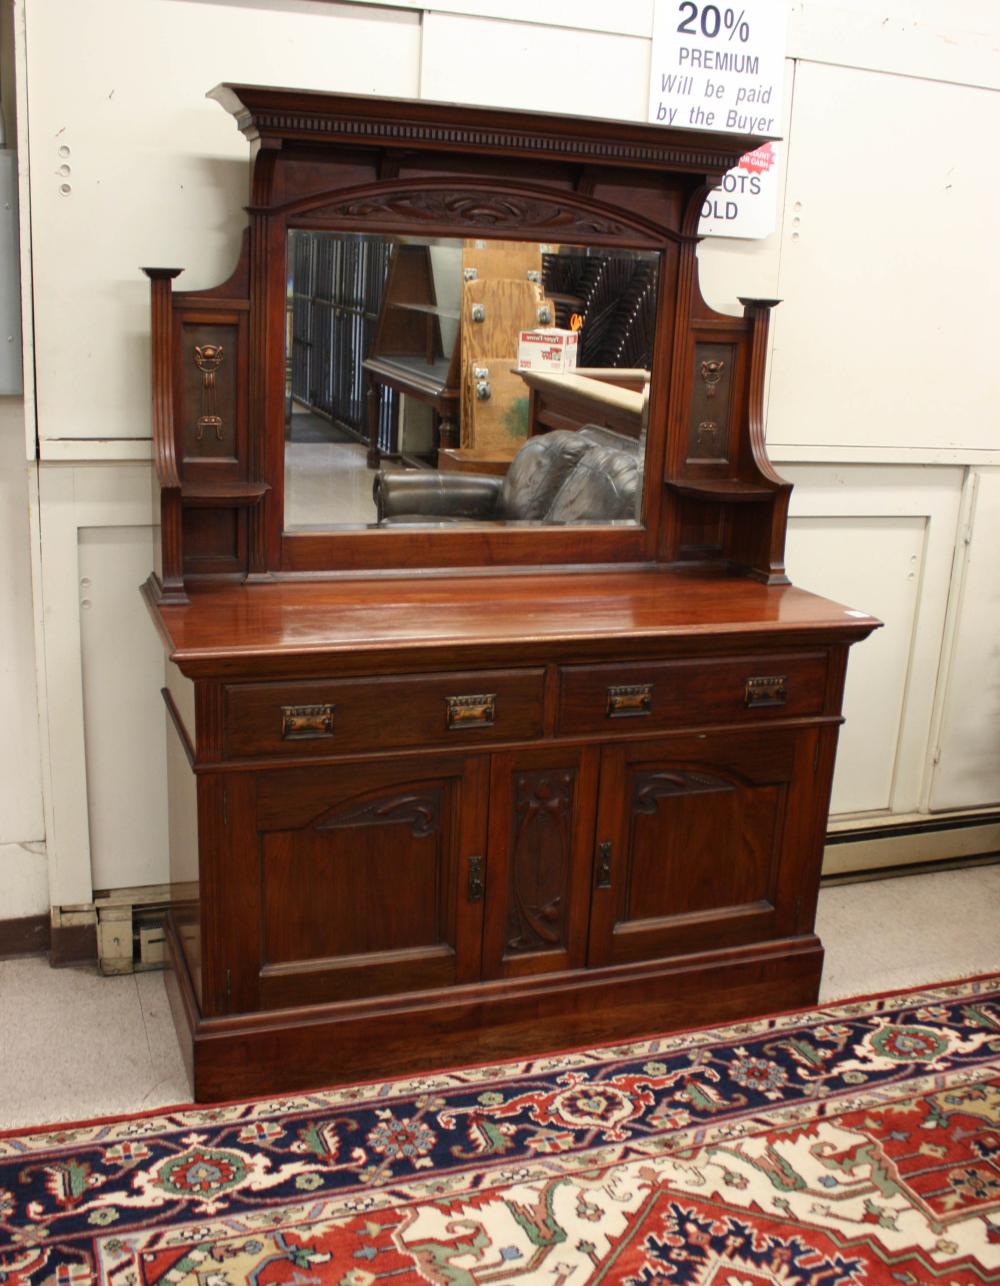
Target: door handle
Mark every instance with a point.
(474, 883)
(604, 865)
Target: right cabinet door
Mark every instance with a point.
(700, 843)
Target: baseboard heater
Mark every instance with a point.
(864, 849)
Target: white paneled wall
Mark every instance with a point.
(126, 793)
(547, 69)
(881, 538)
(884, 272)
(160, 170)
(883, 385)
(967, 774)
(23, 875)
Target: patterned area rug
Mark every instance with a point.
(859, 1142)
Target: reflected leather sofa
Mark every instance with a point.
(585, 475)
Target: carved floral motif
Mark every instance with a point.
(484, 210)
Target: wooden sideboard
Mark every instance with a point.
(424, 847)
(439, 793)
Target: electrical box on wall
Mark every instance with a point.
(11, 374)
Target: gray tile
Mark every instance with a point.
(75, 1045)
(172, 1084)
(908, 931)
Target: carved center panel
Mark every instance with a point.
(538, 883)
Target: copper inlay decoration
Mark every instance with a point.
(711, 373)
(208, 358)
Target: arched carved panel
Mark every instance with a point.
(420, 810)
(476, 207)
(699, 841)
(538, 882)
(648, 787)
(367, 876)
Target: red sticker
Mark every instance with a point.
(758, 161)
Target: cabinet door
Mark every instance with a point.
(696, 843)
(538, 860)
(370, 878)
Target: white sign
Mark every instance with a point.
(722, 67)
(747, 202)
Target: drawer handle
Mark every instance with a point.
(298, 723)
(630, 701)
(766, 691)
(472, 712)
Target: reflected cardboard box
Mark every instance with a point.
(547, 350)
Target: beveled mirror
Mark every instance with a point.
(444, 382)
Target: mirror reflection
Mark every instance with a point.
(436, 382)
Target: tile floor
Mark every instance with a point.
(75, 1045)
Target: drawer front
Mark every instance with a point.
(329, 717)
(660, 694)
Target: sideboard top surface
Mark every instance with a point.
(292, 625)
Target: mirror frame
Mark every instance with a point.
(346, 163)
(411, 547)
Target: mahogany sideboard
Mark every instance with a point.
(446, 793)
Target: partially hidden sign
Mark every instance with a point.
(721, 67)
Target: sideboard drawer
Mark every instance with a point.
(325, 717)
(658, 694)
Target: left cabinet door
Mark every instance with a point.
(369, 878)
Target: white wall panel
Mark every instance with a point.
(510, 64)
(20, 763)
(968, 772)
(631, 17)
(873, 703)
(881, 540)
(155, 173)
(24, 880)
(124, 727)
(886, 335)
(956, 41)
(75, 498)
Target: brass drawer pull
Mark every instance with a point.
(299, 723)
(630, 701)
(473, 711)
(766, 691)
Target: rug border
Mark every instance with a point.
(169, 1108)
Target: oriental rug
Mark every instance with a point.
(857, 1142)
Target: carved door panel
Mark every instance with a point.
(696, 844)
(370, 879)
(538, 860)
